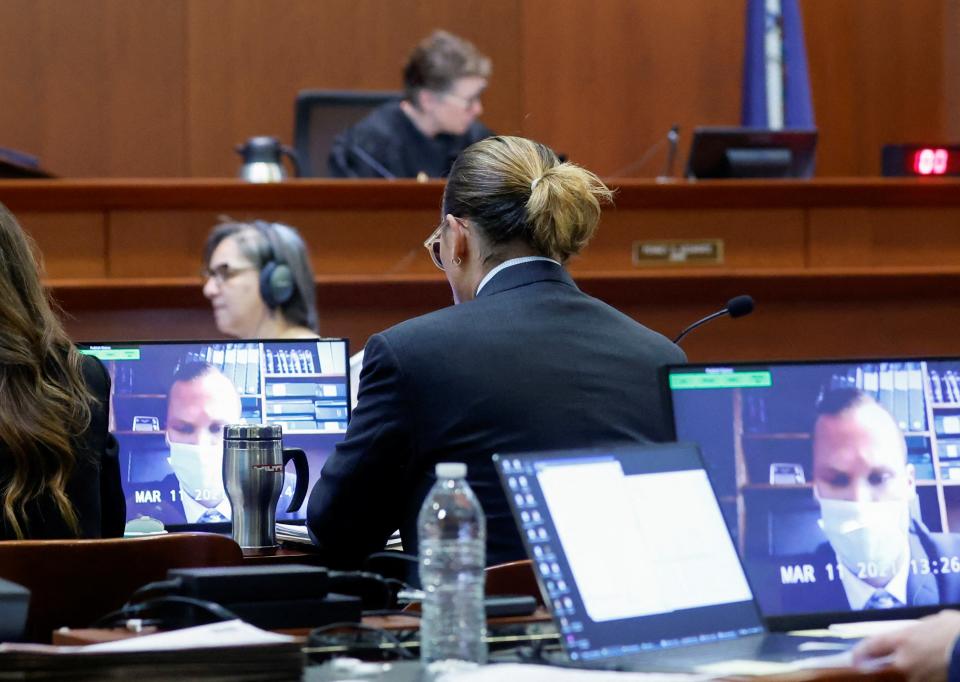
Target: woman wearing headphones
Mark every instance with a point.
(259, 281)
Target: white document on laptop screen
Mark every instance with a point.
(642, 545)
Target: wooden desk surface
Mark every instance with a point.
(284, 554)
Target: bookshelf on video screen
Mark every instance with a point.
(796, 449)
(170, 401)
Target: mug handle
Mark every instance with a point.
(299, 458)
(294, 159)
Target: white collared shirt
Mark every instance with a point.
(193, 510)
(859, 592)
(508, 263)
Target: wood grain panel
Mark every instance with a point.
(877, 70)
(871, 237)
(798, 316)
(768, 238)
(157, 243)
(604, 81)
(168, 87)
(70, 244)
(97, 85)
(820, 329)
(138, 324)
(950, 103)
(360, 242)
(248, 58)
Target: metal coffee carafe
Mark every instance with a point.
(263, 159)
(253, 470)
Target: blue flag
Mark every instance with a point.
(776, 85)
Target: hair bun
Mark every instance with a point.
(564, 211)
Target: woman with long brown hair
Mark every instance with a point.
(59, 474)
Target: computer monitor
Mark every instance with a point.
(751, 153)
(836, 479)
(170, 401)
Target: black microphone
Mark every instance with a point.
(738, 306)
(371, 162)
(673, 137)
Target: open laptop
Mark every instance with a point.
(811, 559)
(634, 560)
(171, 399)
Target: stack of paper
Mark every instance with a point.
(297, 534)
(232, 650)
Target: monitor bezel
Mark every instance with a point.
(615, 449)
(707, 147)
(785, 623)
(225, 527)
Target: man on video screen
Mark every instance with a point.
(878, 554)
(201, 401)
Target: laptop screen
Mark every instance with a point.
(840, 480)
(629, 548)
(170, 401)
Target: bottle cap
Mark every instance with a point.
(451, 470)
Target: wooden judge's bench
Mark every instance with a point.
(838, 267)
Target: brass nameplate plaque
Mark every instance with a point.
(661, 252)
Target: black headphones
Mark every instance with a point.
(277, 285)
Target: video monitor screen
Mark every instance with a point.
(840, 481)
(721, 152)
(170, 401)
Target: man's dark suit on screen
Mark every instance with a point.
(531, 364)
(923, 588)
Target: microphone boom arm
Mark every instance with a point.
(698, 323)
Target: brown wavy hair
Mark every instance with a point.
(44, 402)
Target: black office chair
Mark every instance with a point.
(320, 115)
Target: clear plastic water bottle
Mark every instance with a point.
(452, 539)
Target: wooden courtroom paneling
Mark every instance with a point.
(167, 87)
(751, 237)
(95, 88)
(248, 58)
(163, 243)
(881, 73)
(604, 81)
(870, 237)
(836, 266)
(70, 244)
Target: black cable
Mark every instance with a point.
(164, 612)
(391, 612)
(326, 637)
(373, 589)
(158, 588)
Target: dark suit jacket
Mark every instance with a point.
(922, 589)
(94, 488)
(531, 364)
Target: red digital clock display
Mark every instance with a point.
(933, 161)
(921, 160)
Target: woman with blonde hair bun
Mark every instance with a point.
(59, 473)
(523, 361)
